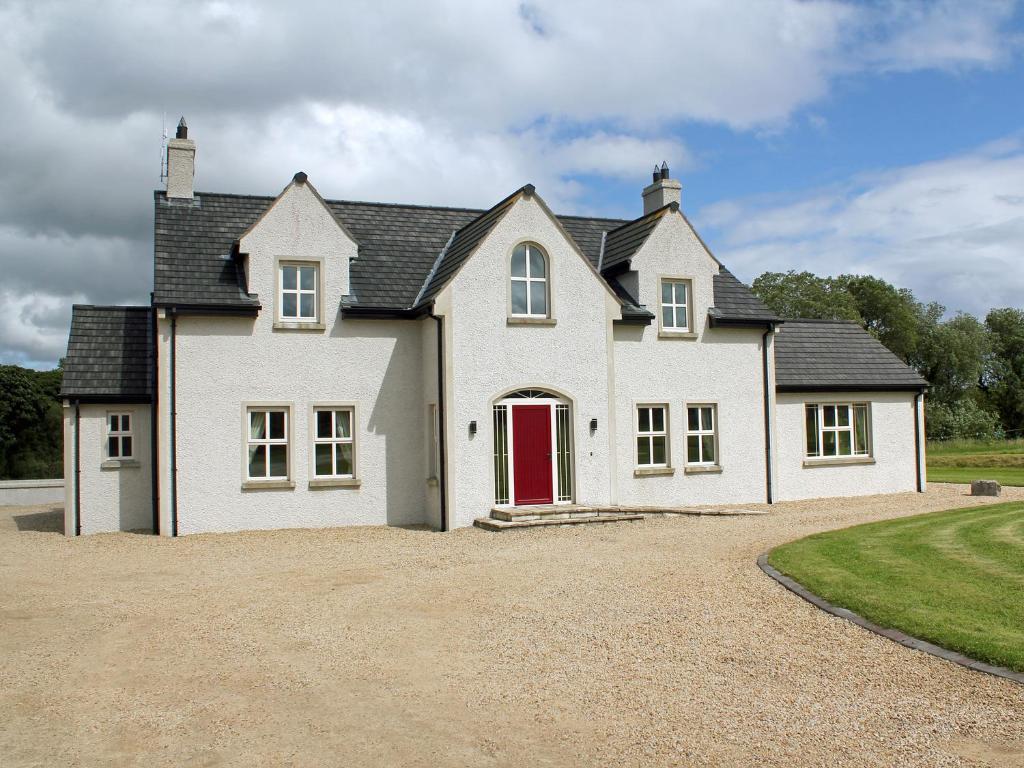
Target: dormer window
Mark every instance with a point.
(298, 301)
(676, 305)
(529, 284)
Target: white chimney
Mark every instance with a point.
(662, 191)
(181, 163)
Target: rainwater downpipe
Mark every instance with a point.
(78, 471)
(917, 439)
(174, 425)
(767, 416)
(442, 481)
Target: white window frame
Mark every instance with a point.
(334, 409)
(267, 480)
(529, 280)
(651, 434)
(299, 320)
(686, 309)
(119, 435)
(864, 452)
(702, 432)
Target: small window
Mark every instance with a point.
(837, 429)
(675, 305)
(268, 444)
(120, 444)
(701, 434)
(334, 445)
(298, 300)
(652, 436)
(529, 281)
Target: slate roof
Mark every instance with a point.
(833, 355)
(110, 354)
(398, 247)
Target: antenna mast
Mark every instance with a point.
(163, 150)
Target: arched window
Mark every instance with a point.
(529, 281)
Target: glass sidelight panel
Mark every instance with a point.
(501, 491)
(563, 447)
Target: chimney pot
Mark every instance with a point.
(182, 132)
(664, 169)
(656, 175)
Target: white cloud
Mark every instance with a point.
(454, 103)
(952, 230)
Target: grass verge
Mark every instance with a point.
(961, 461)
(953, 578)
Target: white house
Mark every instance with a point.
(307, 362)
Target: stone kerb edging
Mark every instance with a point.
(893, 634)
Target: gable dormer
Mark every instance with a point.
(296, 258)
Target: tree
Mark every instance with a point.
(890, 314)
(963, 420)
(805, 295)
(31, 424)
(1004, 377)
(951, 355)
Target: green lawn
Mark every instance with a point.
(960, 461)
(953, 578)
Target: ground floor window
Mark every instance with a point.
(334, 448)
(652, 436)
(702, 434)
(837, 429)
(267, 443)
(119, 436)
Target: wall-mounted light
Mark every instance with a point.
(593, 426)
(472, 427)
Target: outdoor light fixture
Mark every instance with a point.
(472, 427)
(593, 425)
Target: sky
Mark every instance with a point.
(882, 138)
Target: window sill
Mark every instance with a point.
(703, 469)
(267, 485)
(650, 471)
(838, 461)
(336, 482)
(119, 463)
(291, 325)
(513, 320)
(667, 334)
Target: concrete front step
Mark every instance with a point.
(497, 524)
(572, 511)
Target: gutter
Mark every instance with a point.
(174, 426)
(78, 471)
(767, 418)
(442, 481)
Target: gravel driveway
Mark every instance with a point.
(652, 643)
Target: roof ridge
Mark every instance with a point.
(822, 320)
(146, 307)
(659, 212)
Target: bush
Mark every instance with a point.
(963, 420)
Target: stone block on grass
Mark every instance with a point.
(985, 488)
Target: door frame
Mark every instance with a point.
(551, 402)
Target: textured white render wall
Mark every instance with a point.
(113, 498)
(721, 365)
(892, 424)
(224, 362)
(488, 357)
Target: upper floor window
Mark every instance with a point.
(298, 300)
(675, 305)
(837, 429)
(119, 436)
(529, 281)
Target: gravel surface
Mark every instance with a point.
(651, 643)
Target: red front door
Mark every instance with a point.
(531, 453)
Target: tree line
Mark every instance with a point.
(975, 367)
(31, 424)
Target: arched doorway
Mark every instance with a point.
(533, 454)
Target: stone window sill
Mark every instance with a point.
(511, 320)
(268, 485)
(703, 469)
(664, 334)
(336, 482)
(283, 325)
(119, 463)
(651, 471)
(838, 461)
